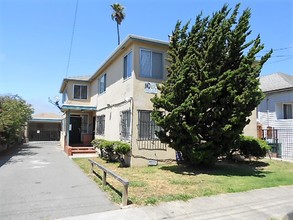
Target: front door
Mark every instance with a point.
(75, 132)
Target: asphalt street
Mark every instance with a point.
(38, 181)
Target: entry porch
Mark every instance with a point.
(78, 129)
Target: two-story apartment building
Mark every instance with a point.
(114, 103)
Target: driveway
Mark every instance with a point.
(38, 181)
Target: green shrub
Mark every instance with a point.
(112, 150)
(251, 147)
(107, 145)
(121, 148)
(97, 143)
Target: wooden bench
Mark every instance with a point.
(117, 177)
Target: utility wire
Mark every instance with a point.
(72, 35)
(277, 61)
(284, 48)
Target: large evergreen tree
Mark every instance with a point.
(212, 85)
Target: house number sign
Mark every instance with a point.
(150, 87)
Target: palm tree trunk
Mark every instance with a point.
(118, 33)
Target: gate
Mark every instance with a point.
(44, 135)
(281, 141)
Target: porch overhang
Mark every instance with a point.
(78, 108)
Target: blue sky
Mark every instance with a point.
(35, 37)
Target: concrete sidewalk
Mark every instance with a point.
(269, 203)
(38, 181)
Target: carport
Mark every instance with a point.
(44, 127)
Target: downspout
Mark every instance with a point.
(131, 120)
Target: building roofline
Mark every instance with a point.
(50, 120)
(278, 90)
(130, 38)
(77, 79)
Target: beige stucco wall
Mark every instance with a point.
(63, 132)
(141, 101)
(116, 98)
(251, 128)
(124, 95)
(69, 91)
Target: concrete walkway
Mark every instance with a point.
(270, 203)
(38, 181)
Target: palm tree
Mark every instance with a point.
(118, 15)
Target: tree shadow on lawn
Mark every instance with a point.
(222, 168)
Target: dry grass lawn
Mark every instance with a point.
(151, 185)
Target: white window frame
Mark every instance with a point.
(151, 74)
(80, 96)
(100, 91)
(127, 68)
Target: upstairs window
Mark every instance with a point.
(151, 64)
(127, 66)
(287, 110)
(101, 124)
(102, 84)
(80, 92)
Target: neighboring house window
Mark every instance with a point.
(127, 66)
(151, 64)
(146, 126)
(102, 84)
(125, 125)
(84, 124)
(287, 109)
(101, 124)
(80, 92)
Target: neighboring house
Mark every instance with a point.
(44, 127)
(114, 103)
(275, 113)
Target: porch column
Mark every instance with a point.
(67, 126)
